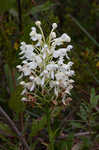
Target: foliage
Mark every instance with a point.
(15, 102)
(76, 126)
(5, 5)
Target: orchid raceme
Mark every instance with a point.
(43, 63)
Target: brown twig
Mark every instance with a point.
(13, 126)
(21, 116)
(76, 135)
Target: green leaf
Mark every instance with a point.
(92, 95)
(38, 125)
(15, 102)
(9, 77)
(94, 99)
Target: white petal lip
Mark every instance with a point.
(38, 81)
(53, 35)
(22, 83)
(33, 29)
(56, 54)
(52, 75)
(24, 99)
(38, 60)
(43, 80)
(20, 76)
(32, 87)
(65, 37)
(31, 78)
(19, 67)
(24, 62)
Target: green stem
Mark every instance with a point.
(50, 132)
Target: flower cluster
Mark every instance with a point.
(43, 63)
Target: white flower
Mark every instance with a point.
(60, 53)
(31, 78)
(60, 76)
(38, 60)
(52, 66)
(24, 99)
(38, 81)
(65, 38)
(60, 61)
(57, 42)
(45, 51)
(19, 67)
(22, 83)
(69, 47)
(24, 62)
(44, 73)
(53, 35)
(56, 91)
(43, 64)
(70, 63)
(39, 37)
(33, 32)
(33, 29)
(32, 87)
(42, 81)
(54, 83)
(34, 35)
(56, 54)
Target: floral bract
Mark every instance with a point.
(43, 63)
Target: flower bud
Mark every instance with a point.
(54, 26)
(38, 23)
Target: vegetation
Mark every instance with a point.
(51, 126)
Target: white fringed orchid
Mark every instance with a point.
(43, 64)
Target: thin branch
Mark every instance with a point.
(75, 135)
(83, 134)
(13, 126)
